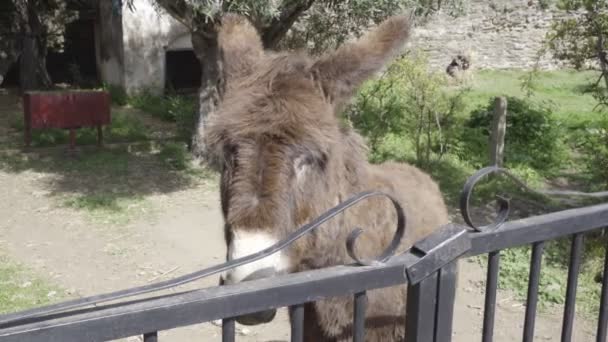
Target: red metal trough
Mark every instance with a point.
(66, 109)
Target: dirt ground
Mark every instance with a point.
(178, 232)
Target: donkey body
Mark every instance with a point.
(285, 159)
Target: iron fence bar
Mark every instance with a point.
(603, 314)
(446, 294)
(228, 329)
(573, 270)
(297, 323)
(532, 296)
(204, 305)
(7, 319)
(489, 308)
(151, 337)
(503, 203)
(359, 317)
(539, 228)
(420, 311)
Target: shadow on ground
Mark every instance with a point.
(140, 159)
(102, 178)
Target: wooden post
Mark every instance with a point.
(497, 134)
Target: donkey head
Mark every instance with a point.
(277, 136)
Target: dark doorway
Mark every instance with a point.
(182, 71)
(11, 79)
(75, 64)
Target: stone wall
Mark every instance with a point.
(495, 34)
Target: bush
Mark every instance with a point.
(118, 95)
(592, 141)
(408, 102)
(173, 108)
(183, 110)
(533, 136)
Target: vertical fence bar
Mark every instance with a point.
(228, 329)
(489, 310)
(603, 315)
(532, 297)
(420, 311)
(297, 323)
(569, 307)
(151, 337)
(359, 317)
(446, 294)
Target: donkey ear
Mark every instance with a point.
(240, 46)
(344, 70)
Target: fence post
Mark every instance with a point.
(498, 131)
(430, 306)
(420, 311)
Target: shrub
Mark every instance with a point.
(151, 103)
(183, 110)
(533, 136)
(592, 141)
(180, 109)
(408, 102)
(118, 95)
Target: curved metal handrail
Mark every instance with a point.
(15, 318)
(503, 208)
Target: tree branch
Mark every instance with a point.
(180, 10)
(279, 26)
(186, 13)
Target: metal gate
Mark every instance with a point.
(429, 269)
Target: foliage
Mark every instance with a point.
(409, 101)
(118, 95)
(326, 25)
(534, 136)
(592, 140)
(581, 40)
(172, 108)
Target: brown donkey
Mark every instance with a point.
(285, 159)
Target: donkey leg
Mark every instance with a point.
(312, 329)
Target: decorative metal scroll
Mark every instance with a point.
(503, 203)
(28, 315)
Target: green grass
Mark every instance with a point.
(165, 107)
(562, 89)
(20, 289)
(563, 92)
(125, 127)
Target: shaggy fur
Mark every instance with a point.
(286, 159)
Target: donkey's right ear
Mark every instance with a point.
(342, 71)
(240, 46)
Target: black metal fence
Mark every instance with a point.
(429, 269)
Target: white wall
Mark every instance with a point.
(146, 35)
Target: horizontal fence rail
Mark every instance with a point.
(114, 321)
(428, 268)
(536, 231)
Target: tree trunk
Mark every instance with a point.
(33, 72)
(206, 49)
(10, 49)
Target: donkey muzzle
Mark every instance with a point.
(259, 317)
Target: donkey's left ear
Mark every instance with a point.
(240, 46)
(344, 70)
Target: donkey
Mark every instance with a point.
(285, 158)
